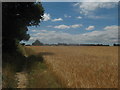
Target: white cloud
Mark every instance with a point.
(76, 4)
(68, 26)
(96, 17)
(113, 27)
(90, 27)
(67, 16)
(108, 35)
(46, 17)
(79, 17)
(76, 26)
(57, 19)
(33, 30)
(43, 30)
(88, 8)
(100, 1)
(62, 27)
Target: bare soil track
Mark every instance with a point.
(22, 79)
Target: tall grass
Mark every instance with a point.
(12, 63)
(83, 67)
(8, 76)
(25, 51)
(38, 74)
(40, 77)
(28, 61)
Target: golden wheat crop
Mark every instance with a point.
(82, 66)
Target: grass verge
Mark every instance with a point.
(8, 76)
(40, 77)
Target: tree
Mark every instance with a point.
(16, 17)
(37, 43)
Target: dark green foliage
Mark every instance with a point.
(116, 44)
(15, 59)
(23, 44)
(16, 17)
(17, 62)
(37, 43)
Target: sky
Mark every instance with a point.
(77, 23)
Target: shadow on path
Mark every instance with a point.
(22, 65)
(20, 62)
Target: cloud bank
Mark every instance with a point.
(67, 26)
(88, 8)
(108, 35)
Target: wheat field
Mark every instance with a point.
(82, 66)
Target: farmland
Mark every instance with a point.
(82, 66)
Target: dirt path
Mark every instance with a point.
(22, 79)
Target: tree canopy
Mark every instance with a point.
(37, 43)
(16, 17)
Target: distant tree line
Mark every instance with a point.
(64, 44)
(38, 43)
(116, 44)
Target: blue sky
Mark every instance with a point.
(77, 22)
